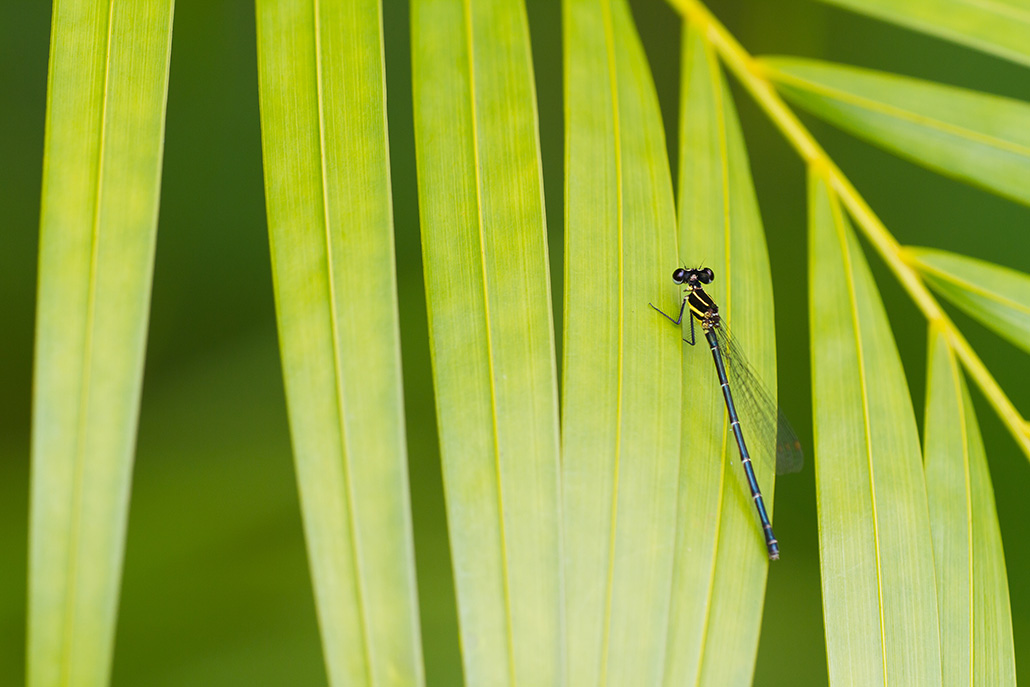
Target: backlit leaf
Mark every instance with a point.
(102, 172)
(621, 371)
(330, 221)
(491, 333)
(879, 600)
(972, 587)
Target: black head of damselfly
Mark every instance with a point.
(690, 277)
(768, 430)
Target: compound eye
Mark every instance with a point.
(707, 275)
(679, 276)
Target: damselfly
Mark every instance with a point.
(770, 429)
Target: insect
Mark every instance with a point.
(771, 428)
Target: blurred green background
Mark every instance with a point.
(216, 588)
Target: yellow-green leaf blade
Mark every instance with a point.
(972, 587)
(879, 600)
(996, 296)
(621, 413)
(975, 137)
(998, 27)
(722, 561)
(488, 294)
(107, 87)
(327, 182)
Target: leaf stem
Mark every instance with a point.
(752, 76)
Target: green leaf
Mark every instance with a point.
(975, 137)
(879, 601)
(102, 170)
(327, 185)
(621, 369)
(722, 561)
(996, 296)
(998, 27)
(972, 587)
(491, 333)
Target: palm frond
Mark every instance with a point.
(872, 498)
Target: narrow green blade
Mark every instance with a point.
(998, 27)
(722, 561)
(621, 370)
(997, 296)
(879, 600)
(491, 333)
(972, 587)
(327, 187)
(102, 172)
(975, 137)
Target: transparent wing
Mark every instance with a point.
(770, 435)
